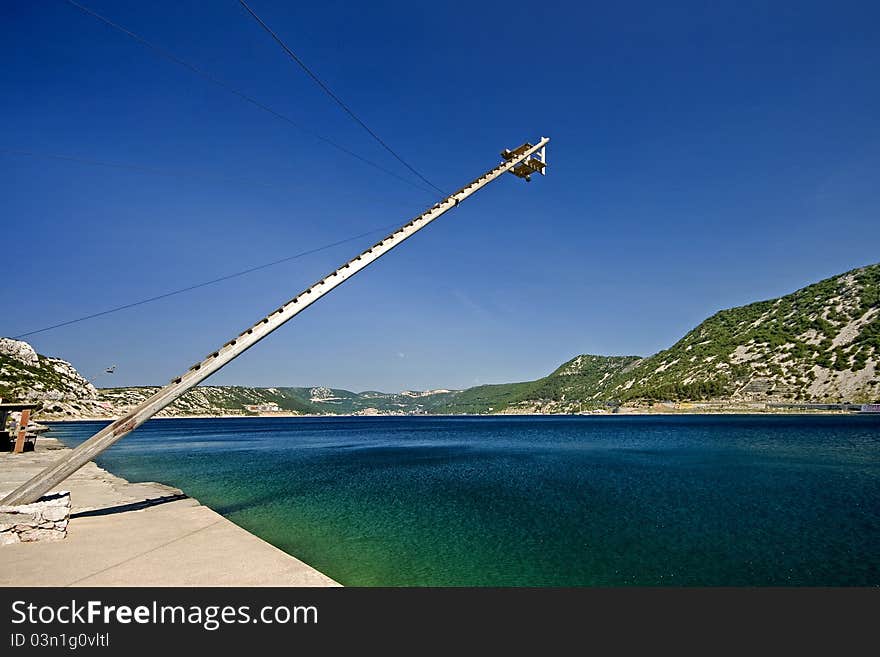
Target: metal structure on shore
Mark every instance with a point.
(523, 161)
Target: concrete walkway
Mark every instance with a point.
(147, 534)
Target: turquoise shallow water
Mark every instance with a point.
(688, 500)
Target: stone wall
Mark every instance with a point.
(43, 520)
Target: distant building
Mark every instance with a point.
(271, 407)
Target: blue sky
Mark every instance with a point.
(704, 155)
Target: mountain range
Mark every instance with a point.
(820, 344)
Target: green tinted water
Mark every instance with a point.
(693, 500)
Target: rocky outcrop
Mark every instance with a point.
(20, 351)
(26, 376)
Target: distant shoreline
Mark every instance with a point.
(800, 412)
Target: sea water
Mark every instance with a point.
(536, 500)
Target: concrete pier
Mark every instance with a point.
(144, 534)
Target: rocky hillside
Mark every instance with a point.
(26, 376)
(819, 344)
(239, 400)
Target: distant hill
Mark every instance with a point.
(819, 344)
(575, 386)
(235, 400)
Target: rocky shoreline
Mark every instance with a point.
(621, 412)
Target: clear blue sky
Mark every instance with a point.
(704, 155)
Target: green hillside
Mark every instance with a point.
(821, 343)
(570, 388)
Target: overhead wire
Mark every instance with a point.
(335, 98)
(253, 101)
(170, 56)
(219, 279)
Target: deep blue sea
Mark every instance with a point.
(546, 501)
